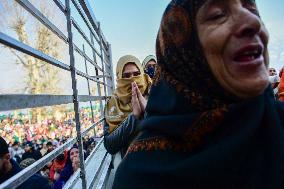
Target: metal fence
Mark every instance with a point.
(21, 101)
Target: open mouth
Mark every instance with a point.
(248, 54)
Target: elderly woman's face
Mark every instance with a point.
(234, 41)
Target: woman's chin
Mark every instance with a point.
(249, 90)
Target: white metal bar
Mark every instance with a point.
(11, 42)
(37, 14)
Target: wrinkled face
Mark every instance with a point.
(130, 70)
(234, 42)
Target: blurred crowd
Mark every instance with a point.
(277, 83)
(28, 142)
(19, 127)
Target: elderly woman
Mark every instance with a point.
(149, 65)
(212, 119)
(126, 106)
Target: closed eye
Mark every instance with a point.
(216, 16)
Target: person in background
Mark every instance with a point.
(17, 152)
(274, 81)
(57, 166)
(149, 65)
(49, 146)
(126, 106)
(272, 71)
(44, 148)
(72, 165)
(30, 152)
(281, 86)
(9, 168)
(212, 119)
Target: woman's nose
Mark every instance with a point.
(249, 24)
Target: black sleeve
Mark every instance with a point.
(121, 136)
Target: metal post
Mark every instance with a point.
(75, 94)
(102, 57)
(89, 90)
(111, 69)
(97, 73)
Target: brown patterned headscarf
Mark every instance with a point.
(181, 61)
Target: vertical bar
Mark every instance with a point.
(97, 73)
(89, 90)
(111, 69)
(102, 57)
(75, 94)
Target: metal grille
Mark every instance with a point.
(21, 101)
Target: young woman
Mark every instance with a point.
(126, 107)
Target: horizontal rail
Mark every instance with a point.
(87, 9)
(72, 180)
(106, 63)
(94, 163)
(100, 142)
(101, 76)
(92, 127)
(105, 173)
(13, 43)
(76, 25)
(91, 17)
(60, 5)
(88, 77)
(76, 176)
(14, 101)
(20, 101)
(45, 21)
(25, 174)
(93, 180)
(87, 58)
(91, 78)
(85, 20)
(86, 98)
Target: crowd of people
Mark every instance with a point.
(27, 142)
(55, 174)
(19, 127)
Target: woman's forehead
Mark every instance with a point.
(208, 3)
(130, 66)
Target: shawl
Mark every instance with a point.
(118, 107)
(197, 135)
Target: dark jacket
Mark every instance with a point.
(36, 181)
(120, 138)
(34, 154)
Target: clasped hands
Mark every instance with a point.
(138, 102)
